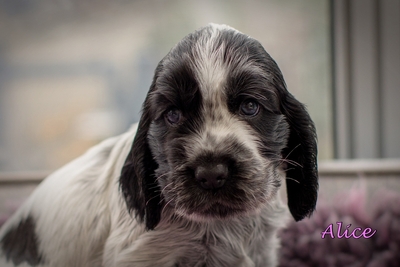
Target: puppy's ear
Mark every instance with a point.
(138, 182)
(301, 156)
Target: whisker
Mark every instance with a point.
(161, 176)
(147, 202)
(162, 191)
(292, 162)
(285, 170)
(292, 151)
(162, 211)
(289, 178)
(155, 187)
(289, 161)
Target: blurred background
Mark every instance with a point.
(74, 72)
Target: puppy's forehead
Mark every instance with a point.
(213, 54)
(214, 63)
(208, 57)
(212, 58)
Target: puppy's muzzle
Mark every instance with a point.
(211, 176)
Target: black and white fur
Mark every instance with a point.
(198, 186)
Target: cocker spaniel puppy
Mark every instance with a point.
(195, 183)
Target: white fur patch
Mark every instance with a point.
(212, 72)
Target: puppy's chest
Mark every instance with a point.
(180, 249)
(206, 253)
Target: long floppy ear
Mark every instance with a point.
(301, 155)
(138, 182)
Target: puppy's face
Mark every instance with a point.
(216, 132)
(217, 125)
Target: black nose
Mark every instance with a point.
(211, 177)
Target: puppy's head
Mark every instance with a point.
(218, 125)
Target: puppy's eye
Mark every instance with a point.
(173, 116)
(249, 107)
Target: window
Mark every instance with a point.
(367, 80)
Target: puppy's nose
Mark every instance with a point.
(211, 177)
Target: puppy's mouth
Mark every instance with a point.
(216, 210)
(221, 211)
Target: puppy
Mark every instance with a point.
(219, 133)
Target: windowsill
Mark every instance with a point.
(332, 167)
(359, 166)
(23, 177)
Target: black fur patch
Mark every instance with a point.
(20, 243)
